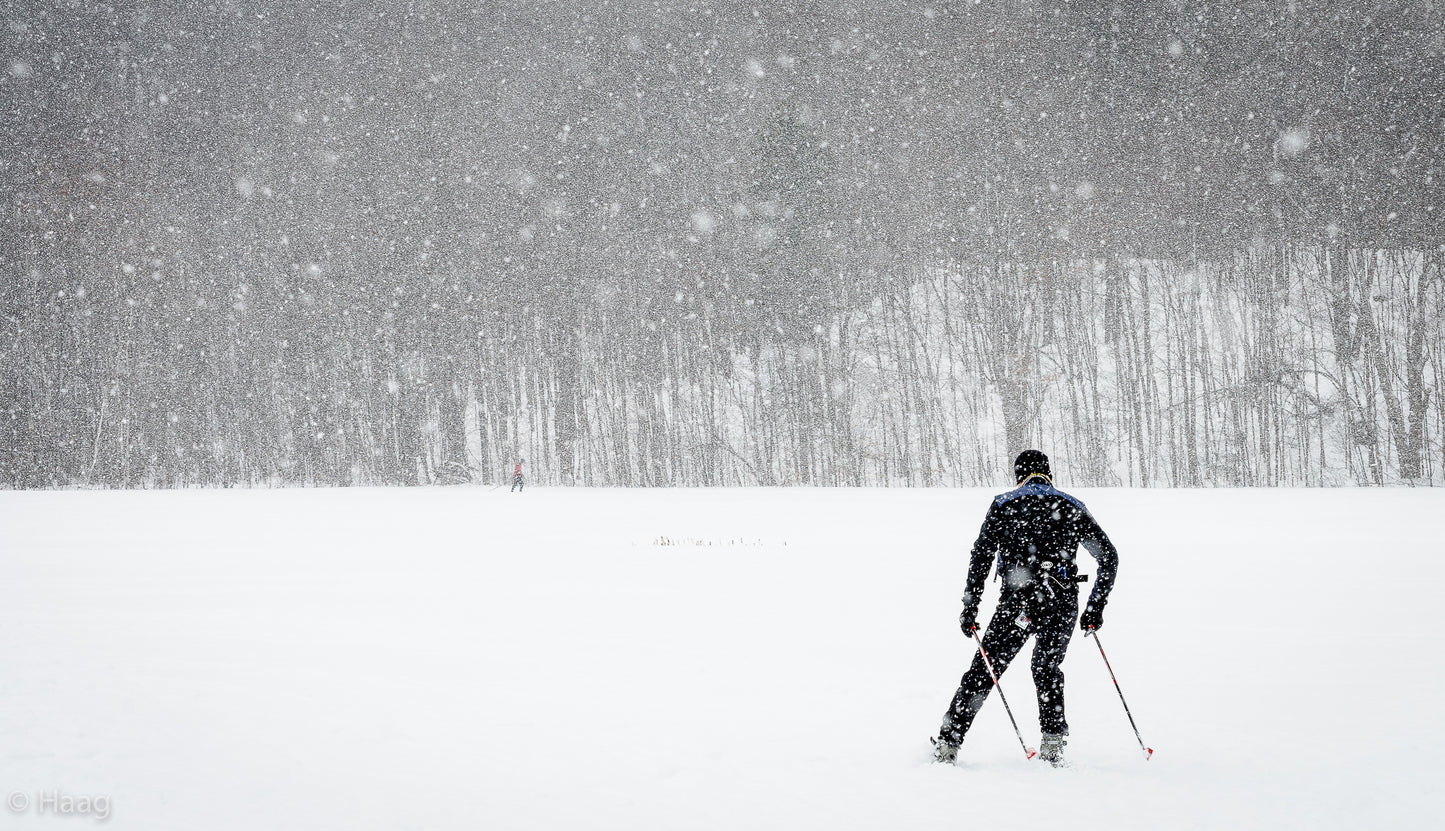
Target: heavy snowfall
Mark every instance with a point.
(761, 300)
(722, 243)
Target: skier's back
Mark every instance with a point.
(517, 477)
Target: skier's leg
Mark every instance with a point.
(1054, 628)
(1002, 640)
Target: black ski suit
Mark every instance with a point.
(1035, 531)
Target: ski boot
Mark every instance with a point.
(943, 752)
(1051, 750)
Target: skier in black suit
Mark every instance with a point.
(1035, 532)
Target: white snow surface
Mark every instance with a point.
(469, 658)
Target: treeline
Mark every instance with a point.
(652, 244)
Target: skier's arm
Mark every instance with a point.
(1096, 542)
(985, 548)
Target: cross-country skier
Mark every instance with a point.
(1035, 531)
(517, 477)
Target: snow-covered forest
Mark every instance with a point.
(715, 243)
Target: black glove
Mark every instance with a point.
(969, 621)
(1092, 618)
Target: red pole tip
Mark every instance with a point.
(1149, 754)
(1030, 752)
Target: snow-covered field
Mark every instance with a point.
(692, 659)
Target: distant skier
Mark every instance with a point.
(1035, 531)
(517, 477)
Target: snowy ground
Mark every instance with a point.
(470, 658)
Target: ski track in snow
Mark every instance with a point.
(472, 658)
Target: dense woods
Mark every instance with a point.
(718, 243)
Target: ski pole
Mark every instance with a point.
(1148, 751)
(1029, 752)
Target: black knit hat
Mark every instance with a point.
(1030, 462)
